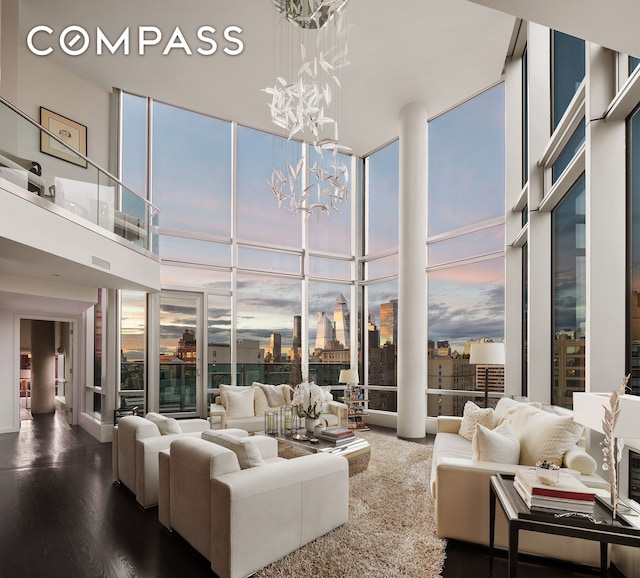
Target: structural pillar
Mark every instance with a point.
(43, 368)
(412, 278)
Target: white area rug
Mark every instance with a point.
(391, 524)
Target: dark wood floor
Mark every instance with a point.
(61, 516)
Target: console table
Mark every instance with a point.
(599, 527)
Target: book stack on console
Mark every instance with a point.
(569, 495)
(338, 435)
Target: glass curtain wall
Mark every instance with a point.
(133, 320)
(567, 72)
(569, 295)
(634, 250)
(380, 306)
(465, 246)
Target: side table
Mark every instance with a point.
(599, 526)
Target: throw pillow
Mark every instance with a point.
(260, 402)
(545, 436)
(173, 427)
(576, 458)
(225, 388)
(239, 404)
(500, 445)
(160, 421)
(246, 450)
(505, 404)
(473, 415)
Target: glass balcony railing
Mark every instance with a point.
(45, 162)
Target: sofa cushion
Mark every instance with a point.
(246, 450)
(473, 415)
(239, 404)
(166, 425)
(543, 435)
(576, 458)
(500, 445)
(505, 404)
(270, 396)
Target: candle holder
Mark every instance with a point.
(271, 422)
(288, 420)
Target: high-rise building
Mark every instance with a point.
(297, 333)
(389, 322)
(274, 350)
(341, 321)
(324, 332)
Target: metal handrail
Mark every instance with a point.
(38, 126)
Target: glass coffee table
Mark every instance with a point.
(357, 451)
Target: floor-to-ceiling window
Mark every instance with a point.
(567, 72)
(380, 306)
(133, 320)
(569, 295)
(633, 315)
(465, 245)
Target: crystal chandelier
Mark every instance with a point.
(305, 102)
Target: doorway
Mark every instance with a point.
(46, 361)
(180, 352)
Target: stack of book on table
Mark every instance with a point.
(338, 435)
(569, 495)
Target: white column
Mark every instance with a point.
(606, 235)
(412, 279)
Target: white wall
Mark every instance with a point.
(43, 83)
(9, 374)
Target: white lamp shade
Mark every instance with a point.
(487, 354)
(348, 376)
(588, 410)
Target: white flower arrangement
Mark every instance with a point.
(308, 398)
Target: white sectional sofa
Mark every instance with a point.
(460, 483)
(135, 447)
(243, 407)
(243, 519)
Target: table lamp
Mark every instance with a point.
(487, 354)
(350, 377)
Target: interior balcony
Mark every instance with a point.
(65, 221)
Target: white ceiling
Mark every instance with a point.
(610, 23)
(439, 52)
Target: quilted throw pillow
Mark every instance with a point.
(472, 416)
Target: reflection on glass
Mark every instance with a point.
(383, 173)
(382, 331)
(329, 331)
(98, 312)
(132, 348)
(330, 233)
(218, 341)
(466, 163)
(569, 290)
(568, 67)
(185, 250)
(467, 246)
(191, 170)
(525, 319)
(634, 208)
(178, 353)
(269, 330)
(568, 152)
(259, 217)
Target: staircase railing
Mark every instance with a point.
(34, 158)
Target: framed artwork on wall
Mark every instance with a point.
(72, 133)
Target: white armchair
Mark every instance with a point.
(242, 520)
